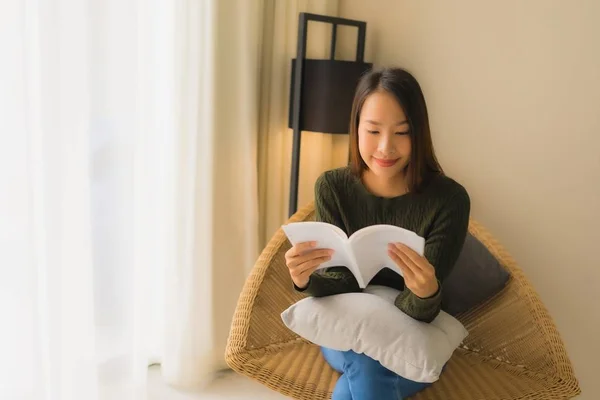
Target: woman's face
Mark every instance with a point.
(383, 135)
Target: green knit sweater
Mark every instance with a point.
(439, 213)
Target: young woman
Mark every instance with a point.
(393, 178)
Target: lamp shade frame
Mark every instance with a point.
(327, 94)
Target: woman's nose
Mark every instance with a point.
(386, 146)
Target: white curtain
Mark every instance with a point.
(128, 191)
(216, 243)
(319, 152)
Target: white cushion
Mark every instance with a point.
(370, 323)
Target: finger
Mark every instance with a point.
(406, 272)
(309, 267)
(315, 254)
(300, 248)
(411, 254)
(294, 262)
(413, 262)
(414, 273)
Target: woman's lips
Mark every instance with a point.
(385, 163)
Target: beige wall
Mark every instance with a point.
(513, 89)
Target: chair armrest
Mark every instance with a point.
(514, 326)
(267, 292)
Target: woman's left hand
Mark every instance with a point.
(419, 274)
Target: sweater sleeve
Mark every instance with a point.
(443, 245)
(332, 280)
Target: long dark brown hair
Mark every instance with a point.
(404, 87)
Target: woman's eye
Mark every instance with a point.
(402, 133)
(373, 132)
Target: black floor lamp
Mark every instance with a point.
(322, 91)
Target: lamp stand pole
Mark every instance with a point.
(301, 54)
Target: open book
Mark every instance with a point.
(364, 253)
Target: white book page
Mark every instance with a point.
(327, 236)
(370, 247)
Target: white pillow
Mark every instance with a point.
(370, 323)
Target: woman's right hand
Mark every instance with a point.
(302, 260)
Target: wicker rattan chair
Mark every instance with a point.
(513, 350)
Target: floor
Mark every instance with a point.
(228, 385)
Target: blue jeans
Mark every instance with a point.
(364, 378)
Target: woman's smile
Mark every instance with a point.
(385, 163)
